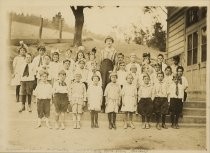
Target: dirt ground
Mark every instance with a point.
(21, 136)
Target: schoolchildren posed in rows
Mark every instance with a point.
(111, 85)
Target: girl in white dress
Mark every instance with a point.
(129, 100)
(18, 61)
(94, 95)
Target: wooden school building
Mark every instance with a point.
(187, 38)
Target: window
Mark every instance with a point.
(203, 44)
(192, 48)
(192, 16)
(203, 12)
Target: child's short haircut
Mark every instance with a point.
(161, 72)
(29, 54)
(41, 47)
(48, 56)
(133, 67)
(81, 61)
(66, 60)
(161, 55)
(176, 77)
(42, 72)
(122, 63)
(112, 73)
(129, 75)
(62, 72)
(168, 67)
(95, 75)
(146, 75)
(156, 65)
(22, 47)
(69, 50)
(120, 54)
(179, 67)
(55, 53)
(176, 58)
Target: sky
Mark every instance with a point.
(99, 21)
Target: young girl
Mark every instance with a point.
(92, 58)
(176, 96)
(107, 62)
(56, 65)
(129, 100)
(17, 63)
(77, 98)
(80, 56)
(133, 62)
(43, 93)
(147, 62)
(27, 72)
(47, 66)
(60, 91)
(68, 55)
(94, 95)
(112, 96)
(160, 101)
(145, 104)
(92, 72)
(135, 74)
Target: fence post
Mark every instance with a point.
(40, 28)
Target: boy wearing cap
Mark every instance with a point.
(77, 98)
(112, 96)
(60, 96)
(133, 62)
(27, 72)
(43, 93)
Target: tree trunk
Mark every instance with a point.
(79, 21)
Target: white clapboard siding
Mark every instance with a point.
(176, 36)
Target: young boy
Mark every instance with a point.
(145, 104)
(60, 91)
(160, 59)
(160, 100)
(112, 96)
(168, 76)
(27, 72)
(153, 76)
(38, 60)
(183, 80)
(77, 98)
(70, 58)
(84, 72)
(176, 96)
(43, 93)
(176, 60)
(133, 62)
(120, 59)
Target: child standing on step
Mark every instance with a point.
(43, 93)
(94, 95)
(112, 97)
(77, 98)
(145, 104)
(60, 90)
(129, 100)
(176, 96)
(160, 100)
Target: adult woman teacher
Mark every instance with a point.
(107, 62)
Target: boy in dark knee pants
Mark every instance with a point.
(160, 101)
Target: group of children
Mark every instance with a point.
(127, 88)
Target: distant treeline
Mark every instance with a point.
(35, 20)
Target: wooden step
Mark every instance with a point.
(194, 104)
(194, 111)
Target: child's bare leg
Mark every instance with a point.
(62, 120)
(143, 121)
(75, 120)
(78, 120)
(131, 120)
(96, 119)
(109, 118)
(125, 119)
(114, 120)
(92, 118)
(56, 120)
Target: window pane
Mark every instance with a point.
(189, 57)
(195, 39)
(189, 45)
(203, 33)
(203, 12)
(203, 53)
(195, 55)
